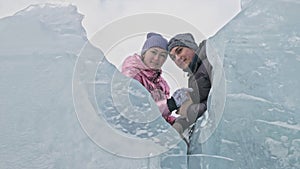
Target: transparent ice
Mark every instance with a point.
(260, 53)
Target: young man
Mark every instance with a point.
(192, 59)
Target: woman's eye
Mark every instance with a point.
(153, 52)
(163, 55)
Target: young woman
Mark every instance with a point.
(146, 68)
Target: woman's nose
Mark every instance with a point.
(156, 57)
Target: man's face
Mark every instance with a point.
(182, 56)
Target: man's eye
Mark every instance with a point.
(178, 50)
(153, 52)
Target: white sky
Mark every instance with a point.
(208, 16)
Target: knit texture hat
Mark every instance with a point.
(184, 40)
(154, 40)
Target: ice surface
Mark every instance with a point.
(50, 115)
(259, 50)
(63, 105)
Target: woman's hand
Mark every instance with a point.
(181, 95)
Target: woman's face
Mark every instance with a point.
(155, 57)
(182, 56)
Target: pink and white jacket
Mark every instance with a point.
(152, 80)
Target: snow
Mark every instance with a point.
(64, 105)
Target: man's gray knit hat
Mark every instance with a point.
(184, 40)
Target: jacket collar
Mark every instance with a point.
(151, 74)
(194, 65)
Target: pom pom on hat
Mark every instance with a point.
(154, 40)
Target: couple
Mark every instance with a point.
(187, 55)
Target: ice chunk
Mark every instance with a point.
(51, 120)
(259, 50)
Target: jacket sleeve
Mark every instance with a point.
(203, 87)
(203, 80)
(198, 108)
(163, 107)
